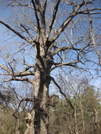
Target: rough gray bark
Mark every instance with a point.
(41, 85)
(37, 121)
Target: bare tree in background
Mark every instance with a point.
(61, 33)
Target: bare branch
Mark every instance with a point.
(23, 99)
(14, 31)
(21, 5)
(25, 73)
(41, 11)
(38, 4)
(31, 23)
(36, 15)
(93, 39)
(4, 74)
(44, 6)
(72, 64)
(81, 50)
(67, 21)
(28, 67)
(18, 74)
(26, 30)
(20, 79)
(6, 69)
(93, 9)
(43, 26)
(66, 48)
(61, 49)
(54, 15)
(67, 99)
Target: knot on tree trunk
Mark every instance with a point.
(28, 119)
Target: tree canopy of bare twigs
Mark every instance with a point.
(46, 35)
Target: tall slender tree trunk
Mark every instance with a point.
(17, 127)
(75, 120)
(96, 122)
(82, 116)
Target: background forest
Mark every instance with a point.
(79, 112)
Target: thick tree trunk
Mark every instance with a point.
(39, 122)
(41, 85)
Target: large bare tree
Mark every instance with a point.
(61, 33)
